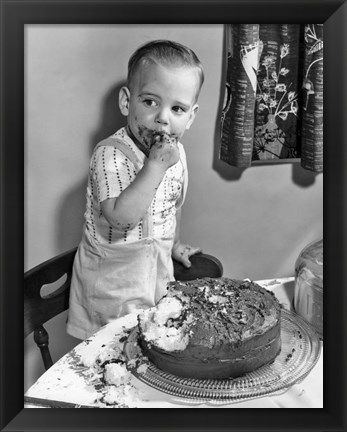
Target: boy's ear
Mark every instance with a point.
(193, 113)
(124, 99)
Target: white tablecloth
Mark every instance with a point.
(68, 381)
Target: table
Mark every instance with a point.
(69, 382)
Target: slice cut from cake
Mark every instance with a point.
(212, 328)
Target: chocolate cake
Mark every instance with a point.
(212, 328)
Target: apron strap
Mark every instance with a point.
(128, 152)
(124, 148)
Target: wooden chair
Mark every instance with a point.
(41, 305)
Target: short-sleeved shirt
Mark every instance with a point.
(111, 172)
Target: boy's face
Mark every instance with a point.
(161, 99)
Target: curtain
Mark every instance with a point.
(273, 102)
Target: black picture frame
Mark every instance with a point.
(14, 15)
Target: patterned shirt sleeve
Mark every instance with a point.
(112, 172)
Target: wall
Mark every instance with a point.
(255, 221)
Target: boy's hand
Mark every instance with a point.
(181, 253)
(164, 152)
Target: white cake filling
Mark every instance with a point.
(153, 325)
(167, 308)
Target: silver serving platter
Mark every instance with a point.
(299, 353)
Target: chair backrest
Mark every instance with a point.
(203, 265)
(41, 302)
(41, 305)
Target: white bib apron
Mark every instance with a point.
(112, 280)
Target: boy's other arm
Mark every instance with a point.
(130, 206)
(182, 252)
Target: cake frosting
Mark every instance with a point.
(212, 328)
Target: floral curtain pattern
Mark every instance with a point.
(273, 106)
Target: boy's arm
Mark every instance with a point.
(182, 252)
(129, 207)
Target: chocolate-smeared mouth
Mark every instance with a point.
(151, 137)
(164, 137)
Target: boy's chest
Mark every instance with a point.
(170, 188)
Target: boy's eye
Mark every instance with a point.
(150, 102)
(178, 109)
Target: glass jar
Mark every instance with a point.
(308, 292)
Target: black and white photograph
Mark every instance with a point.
(199, 293)
(175, 188)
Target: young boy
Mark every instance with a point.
(137, 184)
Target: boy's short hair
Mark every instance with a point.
(166, 53)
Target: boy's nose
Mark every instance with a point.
(162, 117)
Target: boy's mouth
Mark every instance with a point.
(152, 136)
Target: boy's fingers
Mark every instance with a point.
(188, 253)
(186, 262)
(194, 251)
(184, 252)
